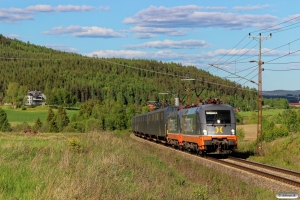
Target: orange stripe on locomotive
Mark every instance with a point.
(209, 128)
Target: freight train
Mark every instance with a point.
(209, 128)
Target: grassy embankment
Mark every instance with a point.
(107, 166)
(282, 152)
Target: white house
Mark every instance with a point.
(35, 98)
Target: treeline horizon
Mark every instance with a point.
(67, 78)
(109, 91)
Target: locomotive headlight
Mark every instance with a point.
(204, 132)
(218, 121)
(232, 131)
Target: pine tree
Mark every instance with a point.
(50, 115)
(4, 125)
(38, 124)
(54, 126)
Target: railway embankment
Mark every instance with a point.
(252, 178)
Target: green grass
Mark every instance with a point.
(269, 112)
(30, 115)
(283, 152)
(107, 166)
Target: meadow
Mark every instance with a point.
(111, 165)
(107, 165)
(30, 115)
(265, 112)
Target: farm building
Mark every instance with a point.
(35, 98)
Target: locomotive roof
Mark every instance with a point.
(216, 106)
(158, 110)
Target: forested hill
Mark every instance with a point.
(67, 78)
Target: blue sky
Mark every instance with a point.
(197, 33)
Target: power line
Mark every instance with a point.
(268, 28)
(230, 50)
(282, 69)
(281, 63)
(283, 56)
(234, 62)
(232, 73)
(249, 74)
(213, 83)
(288, 28)
(276, 25)
(238, 51)
(251, 78)
(244, 69)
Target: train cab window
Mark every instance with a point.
(218, 117)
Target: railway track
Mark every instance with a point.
(275, 173)
(288, 177)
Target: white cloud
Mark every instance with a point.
(16, 15)
(84, 31)
(191, 17)
(61, 47)
(38, 8)
(198, 60)
(249, 7)
(214, 8)
(104, 8)
(149, 32)
(165, 55)
(13, 36)
(292, 18)
(171, 44)
(144, 35)
(72, 8)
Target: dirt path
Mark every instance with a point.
(250, 131)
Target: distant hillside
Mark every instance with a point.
(293, 96)
(66, 78)
(282, 92)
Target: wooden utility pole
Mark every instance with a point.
(188, 89)
(259, 38)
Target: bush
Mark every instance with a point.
(252, 119)
(20, 127)
(78, 126)
(75, 145)
(274, 133)
(93, 125)
(239, 118)
(44, 128)
(68, 129)
(240, 133)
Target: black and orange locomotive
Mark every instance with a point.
(206, 129)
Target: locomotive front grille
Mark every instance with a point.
(219, 145)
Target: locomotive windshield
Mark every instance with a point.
(218, 117)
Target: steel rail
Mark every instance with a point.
(269, 167)
(254, 171)
(237, 166)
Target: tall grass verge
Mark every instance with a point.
(104, 165)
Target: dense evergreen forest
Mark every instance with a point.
(113, 85)
(58, 74)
